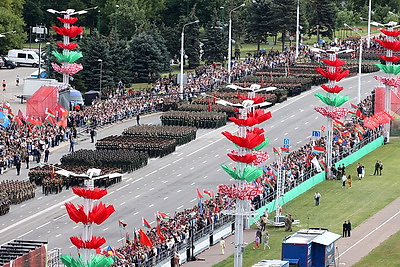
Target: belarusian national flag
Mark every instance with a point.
(353, 106)
(50, 112)
(146, 223)
(318, 150)
(162, 215)
(122, 225)
(285, 150)
(127, 238)
(199, 193)
(276, 152)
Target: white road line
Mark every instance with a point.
(137, 196)
(216, 156)
(370, 233)
(192, 168)
(165, 198)
(76, 226)
(30, 218)
(40, 198)
(59, 216)
(151, 173)
(27, 233)
(205, 177)
(71, 246)
(137, 180)
(272, 126)
(218, 170)
(164, 182)
(180, 190)
(109, 193)
(296, 128)
(129, 179)
(23, 205)
(122, 203)
(275, 139)
(151, 189)
(105, 229)
(151, 205)
(164, 166)
(119, 240)
(42, 225)
(316, 118)
(306, 122)
(177, 160)
(194, 199)
(204, 161)
(193, 183)
(136, 213)
(179, 175)
(292, 116)
(122, 187)
(58, 235)
(286, 134)
(181, 206)
(203, 147)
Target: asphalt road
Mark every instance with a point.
(166, 184)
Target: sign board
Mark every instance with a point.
(286, 146)
(316, 133)
(286, 141)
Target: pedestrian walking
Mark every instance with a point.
(17, 80)
(317, 197)
(256, 242)
(348, 228)
(46, 155)
(72, 145)
(222, 245)
(377, 167)
(344, 233)
(360, 171)
(266, 239)
(138, 119)
(27, 160)
(344, 180)
(4, 85)
(380, 167)
(18, 166)
(92, 135)
(349, 180)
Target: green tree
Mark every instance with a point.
(146, 58)
(215, 43)
(322, 17)
(10, 21)
(259, 20)
(283, 18)
(192, 41)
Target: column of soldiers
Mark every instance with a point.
(196, 119)
(15, 192)
(182, 134)
(153, 146)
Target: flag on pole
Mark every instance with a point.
(146, 223)
(199, 193)
(162, 215)
(135, 236)
(262, 80)
(285, 150)
(144, 239)
(207, 193)
(127, 238)
(318, 149)
(353, 106)
(276, 152)
(122, 225)
(323, 128)
(50, 112)
(162, 238)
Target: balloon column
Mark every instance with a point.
(249, 140)
(88, 214)
(333, 99)
(391, 44)
(67, 58)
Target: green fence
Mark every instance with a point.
(316, 179)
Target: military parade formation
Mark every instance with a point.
(207, 120)
(15, 192)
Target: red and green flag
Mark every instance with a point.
(199, 193)
(122, 224)
(144, 239)
(276, 152)
(285, 150)
(162, 215)
(50, 113)
(146, 223)
(318, 149)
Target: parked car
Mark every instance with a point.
(8, 63)
(2, 63)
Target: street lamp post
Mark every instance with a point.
(116, 17)
(101, 74)
(230, 41)
(359, 63)
(297, 28)
(182, 54)
(369, 25)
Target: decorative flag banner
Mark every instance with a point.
(256, 99)
(69, 57)
(67, 68)
(144, 239)
(334, 63)
(390, 81)
(122, 225)
(335, 100)
(334, 90)
(95, 193)
(323, 128)
(248, 192)
(276, 152)
(146, 223)
(318, 149)
(50, 113)
(393, 59)
(393, 69)
(159, 233)
(392, 45)
(93, 243)
(338, 75)
(69, 46)
(249, 173)
(335, 113)
(393, 33)
(285, 150)
(70, 20)
(72, 32)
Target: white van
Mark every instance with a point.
(24, 57)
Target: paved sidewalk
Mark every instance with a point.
(364, 238)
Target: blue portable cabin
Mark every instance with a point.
(309, 248)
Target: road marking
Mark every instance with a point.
(193, 183)
(76, 226)
(59, 217)
(58, 235)
(272, 126)
(151, 205)
(137, 180)
(27, 219)
(151, 173)
(179, 175)
(105, 229)
(164, 182)
(164, 166)
(151, 189)
(179, 191)
(218, 170)
(204, 161)
(296, 128)
(205, 146)
(282, 121)
(193, 199)
(165, 198)
(292, 116)
(42, 225)
(129, 179)
(122, 203)
(27, 233)
(192, 168)
(316, 118)
(306, 122)
(181, 206)
(122, 187)
(136, 213)
(177, 160)
(40, 198)
(137, 196)
(109, 193)
(286, 134)
(216, 156)
(275, 139)
(23, 205)
(205, 177)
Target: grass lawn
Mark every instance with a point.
(357, 204)
(387, 254)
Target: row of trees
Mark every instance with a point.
(136, 39)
